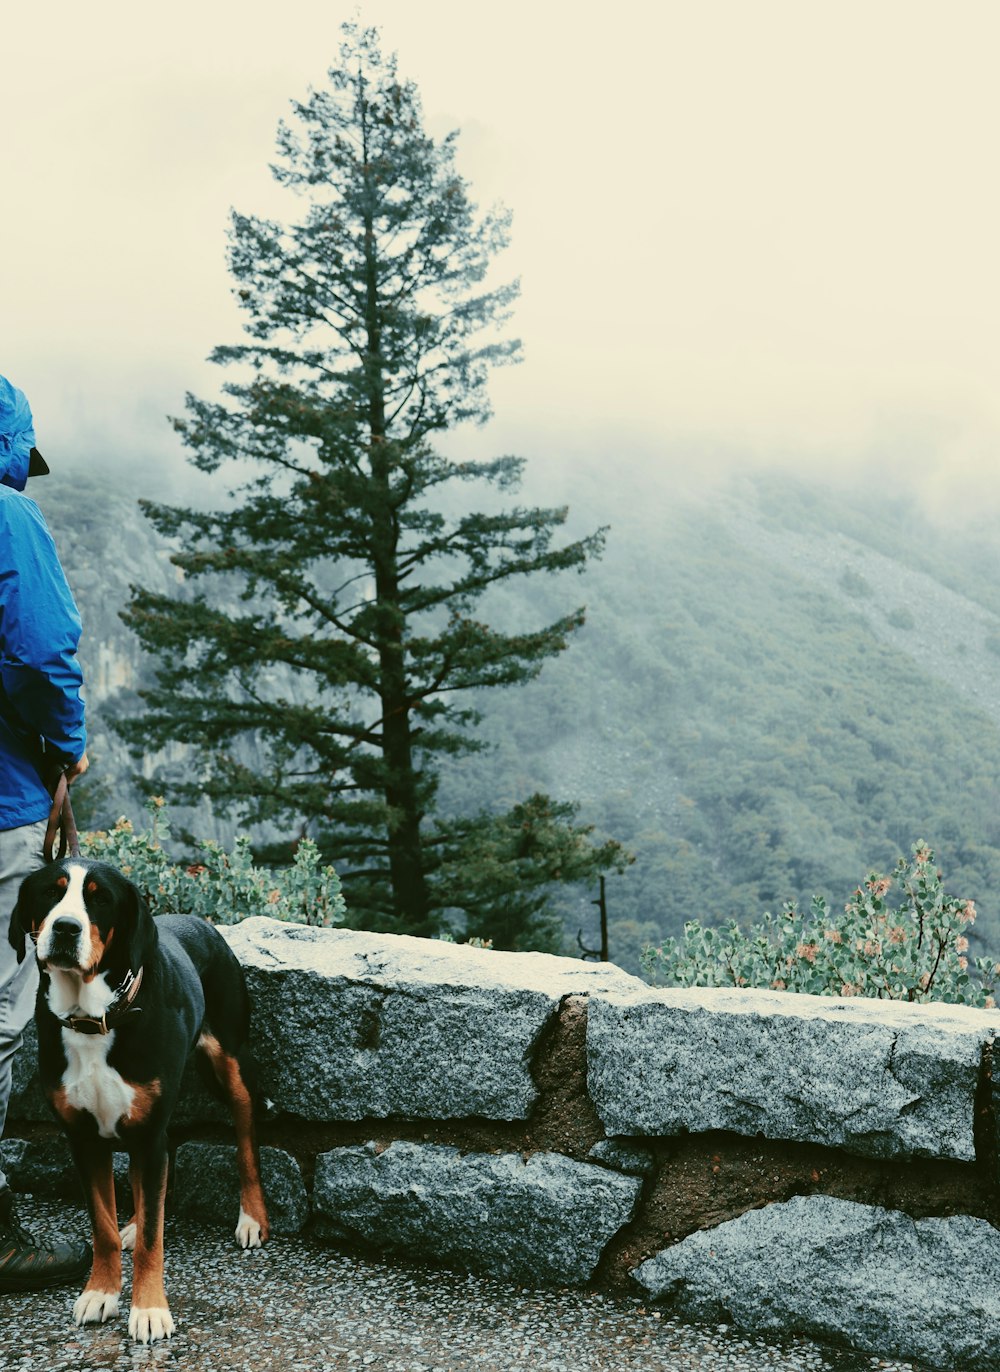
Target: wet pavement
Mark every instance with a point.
(297, 1306)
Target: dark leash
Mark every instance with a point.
(61, 821)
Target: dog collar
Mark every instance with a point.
(114, 1014)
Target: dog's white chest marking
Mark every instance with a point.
(91, 1085)
(69, 994)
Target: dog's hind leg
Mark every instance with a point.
(100, 1298)
(150, 1317)
(252, 1229)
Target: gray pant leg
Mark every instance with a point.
(20, 854)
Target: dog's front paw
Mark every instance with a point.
(148, 1325)
(249, 1232)
(96, 1307)
(127, 1236)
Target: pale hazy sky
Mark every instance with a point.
(764, 228)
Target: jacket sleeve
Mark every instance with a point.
(40, 630)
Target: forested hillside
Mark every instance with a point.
(778, 688)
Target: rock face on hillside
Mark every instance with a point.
(106, 548)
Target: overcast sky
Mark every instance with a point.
(747, 230)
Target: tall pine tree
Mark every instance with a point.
(333, 630)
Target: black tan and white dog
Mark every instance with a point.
(123, 998)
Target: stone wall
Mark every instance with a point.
(779, 1161)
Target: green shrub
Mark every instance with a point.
(445, 936)
(900, 937)
(901, 618)
(223, 887)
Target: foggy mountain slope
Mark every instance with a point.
(760, 705)
(948, 635)
(765, 710)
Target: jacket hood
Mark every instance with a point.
(17, 435)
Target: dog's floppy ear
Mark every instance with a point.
(143, 935)
(16, 935)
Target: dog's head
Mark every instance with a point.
(84, 917)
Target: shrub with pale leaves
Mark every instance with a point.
(222, 886)
(899, 937)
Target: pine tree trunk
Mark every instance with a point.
(406, 868)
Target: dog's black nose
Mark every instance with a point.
(65, 927)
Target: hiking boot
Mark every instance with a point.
(29, 1264)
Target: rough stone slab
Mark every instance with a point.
(350, 1026)
(11, 1156)
(196, 1104)
(544, 1221)
(45, 1167)
(27, 1099)
(206, 1185)
(624, 1156)
(857, 1274)
(879, 1078)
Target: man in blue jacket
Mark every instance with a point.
(41, 726)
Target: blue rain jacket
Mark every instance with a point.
(41, 708)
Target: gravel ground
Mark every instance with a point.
(298, 1307)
